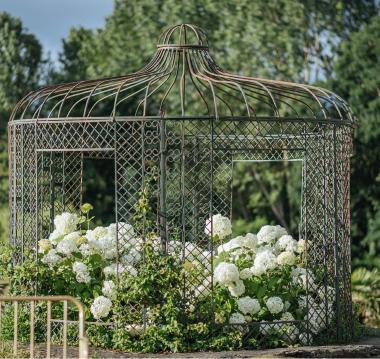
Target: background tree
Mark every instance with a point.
(357, 79)
(20, 63)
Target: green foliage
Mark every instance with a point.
(266, 193)
(366, 295)
(20, 65)
(20, 59)
(357, 79)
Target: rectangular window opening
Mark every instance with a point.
(99, 187)
(266, 192)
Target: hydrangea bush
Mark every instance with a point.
(257, 279)
(264, 278)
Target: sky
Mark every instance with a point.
(50, 20)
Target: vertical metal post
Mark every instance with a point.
(48, 330)
(325, 224)
(83, 342)
(195, 194)
(163, 168)
(64, 334)
(15, 328)
(22, 194)
(52, 189)
(304, 220)
(335, 239)
(31, 340)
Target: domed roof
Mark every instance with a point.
(182, 80)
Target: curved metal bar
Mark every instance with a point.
(184, 48)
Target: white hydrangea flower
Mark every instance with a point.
(301, 246)
(51, 258)
(246, 273)
(132, 257)
(266, 328)
(82, 272)
(79, 267)
(66, 247)
(264, 261)
(230, 245)
(296, 272)
(290, 332)
(317, 318)
(275, 305)
(96, 234)
(55, 236)
(174, 247)
(86, 250)
(219, 226)
(101, 307)
(83, 277)
(269, 234)
(130, 270)
(286, 257)
(305, 339)
(110, 270)
(304, 301)
(73, 236)
(287, 317)
(250, 241)
(226, 273)
(66, 222)
(192, 251)
(123, 232)
(115, 268)
(44, 245)
(236, 288)
(237, 318)
(203, 289)
(108, 288)
(248, 305)
(287, 243)
(303, 277)
(107, 247)
(327, 293)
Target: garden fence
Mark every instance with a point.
(27, 322)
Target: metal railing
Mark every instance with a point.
(66, 300)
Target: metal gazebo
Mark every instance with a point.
(187, 119)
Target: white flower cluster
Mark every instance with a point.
(66, 223)
(101, 307)
(275, 305)
(227, 274)
(79, 251)
(51, 258)
(246, 266)
(248, 305)
(218, 226)
(109, 288)
(82, 272)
